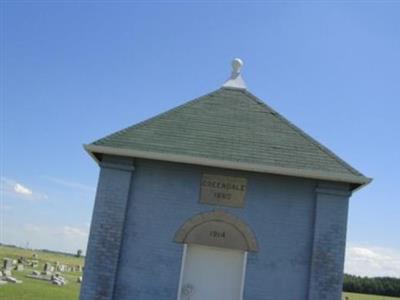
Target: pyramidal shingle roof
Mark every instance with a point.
(229, 128)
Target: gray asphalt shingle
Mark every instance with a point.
(231, 125)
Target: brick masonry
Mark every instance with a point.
(326, 279)
(299, 224)
(106, 229)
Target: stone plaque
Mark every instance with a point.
(217, 234)
(223, 190)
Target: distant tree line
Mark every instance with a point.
(385, 286)
(78, 254)
(60, 252)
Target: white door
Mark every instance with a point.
(211, 273)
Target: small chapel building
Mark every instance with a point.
(221, 198)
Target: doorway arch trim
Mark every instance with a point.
(217, 229)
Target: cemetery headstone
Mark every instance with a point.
(34, 263)
(61, 268)
(7, 264)
(13, 279)
(58, 279)
(46, 267)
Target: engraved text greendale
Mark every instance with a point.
(223, 190)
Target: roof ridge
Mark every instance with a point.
(165, 113)
(304, 134)
(203, 129)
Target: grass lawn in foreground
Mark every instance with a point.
(353, 296)
(33, 289)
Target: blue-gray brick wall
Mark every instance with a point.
(281, 211)
(106, 229)
(326, 279)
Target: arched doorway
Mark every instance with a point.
(215, 254)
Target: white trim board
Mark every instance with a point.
(243, 275)
(312, 174)
(182, 270)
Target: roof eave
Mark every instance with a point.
(356, 181)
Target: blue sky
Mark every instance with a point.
(73, 72)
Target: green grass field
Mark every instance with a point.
(32, 289)
(352, 296)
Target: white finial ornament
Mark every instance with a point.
(236, 81)
(237, 65)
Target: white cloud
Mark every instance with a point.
(74, 232)
(372, 261)
(63, 238)
(20, 189)
(12, 188)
